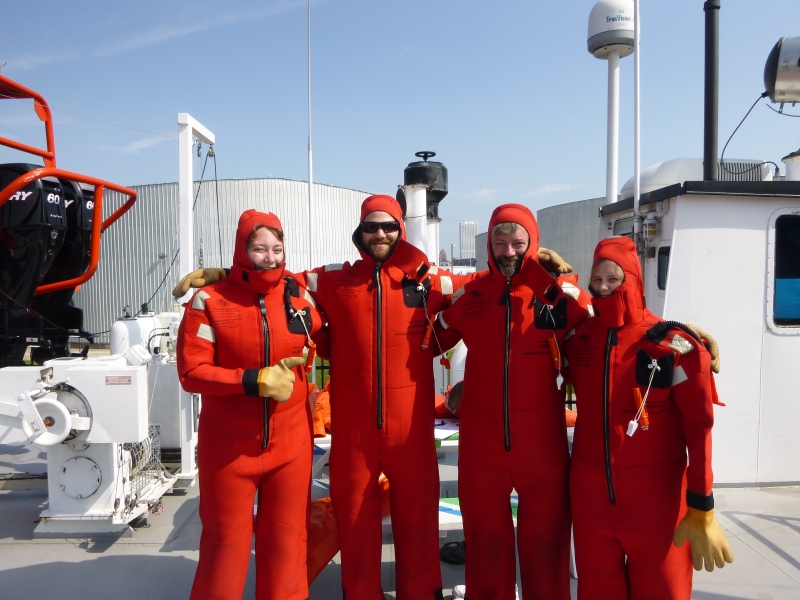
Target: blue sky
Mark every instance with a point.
(505, 92)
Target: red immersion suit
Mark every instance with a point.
(512, 432)
(382, 407)
(247, 443)
(628, 491)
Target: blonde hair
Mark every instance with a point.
(252, 237)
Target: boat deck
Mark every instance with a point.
(159, 561)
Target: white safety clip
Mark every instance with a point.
(632, 427)
(559, 380)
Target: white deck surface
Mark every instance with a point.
(763, 526)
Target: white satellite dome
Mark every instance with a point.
(611, 28)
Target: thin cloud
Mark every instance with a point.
(549, 189)
(138, 145)
(483, 193)
(150, 37)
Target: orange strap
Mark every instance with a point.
(554, 351)
(637, 397)
(312, 354)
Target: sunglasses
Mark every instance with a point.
(373, 226)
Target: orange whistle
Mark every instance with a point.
(426, 337)
(554, 352)
(637, 396)
(312, 354)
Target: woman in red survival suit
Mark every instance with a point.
(241, 346)
(645, 396)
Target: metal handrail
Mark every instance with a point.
(98, 225)
(11, 89)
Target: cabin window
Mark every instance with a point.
(787, 271)
(663, 267)
(624, 226)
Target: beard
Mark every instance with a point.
(379, 250)
(507, 265)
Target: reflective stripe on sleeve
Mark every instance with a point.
(308, 298)
(334, 267)
(570, 289)
(199, 301)
(442, 321)
(433, 270)
(447, 285)
(206, 332)
(312, 282)
(679, 376)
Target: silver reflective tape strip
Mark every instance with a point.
(442, 321)
(312, 282)
(308, 298)
(206, 332)
(570, 289)
(447, 285)
(570, 333)
(333, 267)
(199, 301)
(433, 270)
(457, 294)
(681, 344)
(590, 308)
(679, 376)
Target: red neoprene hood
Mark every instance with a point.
(242, 272)
(386, 204)
(626, 305)
(514, 213)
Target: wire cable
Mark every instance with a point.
(34, 102)
(216, 195)
(754, 167)
(780, 112)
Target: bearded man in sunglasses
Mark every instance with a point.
(382, 399)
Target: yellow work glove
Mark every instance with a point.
(277, 381)
(707, 540)
(197, 279)
(552, 262)
(711, 345)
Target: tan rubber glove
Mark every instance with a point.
(197, 279)
(711, 345)
(277, 381)
(707, 540)
(552, 262)
(453, 400)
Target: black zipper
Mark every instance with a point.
(506, 422)
(380, 346)
(265, 327)
(611, 340)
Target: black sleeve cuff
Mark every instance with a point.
(227, 272)
(700, 502)
(250, 382)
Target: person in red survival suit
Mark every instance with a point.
(645, 394)
(512, 433)
(241, 345)
(382, 403)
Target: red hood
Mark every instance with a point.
(626, 306)
(242, 271)
(372, 204)
(513, 213)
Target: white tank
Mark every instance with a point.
(127, 332)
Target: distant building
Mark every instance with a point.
(572, 230)
(452, 251)
(481, 257)
(442, 256)
(469, 229)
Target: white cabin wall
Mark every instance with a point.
(716, 281)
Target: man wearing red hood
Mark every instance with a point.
(382, 403)
(241, 345)
(512, 433)
(646, 395)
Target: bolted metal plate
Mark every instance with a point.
(79, 477)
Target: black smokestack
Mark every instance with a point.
(711, 108)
